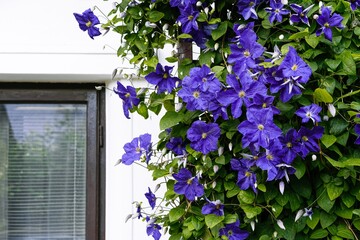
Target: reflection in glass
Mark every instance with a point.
(42, 171)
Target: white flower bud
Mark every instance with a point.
(281, 187)
(122, 15)
(314, 157)
(299, 214)
(285, 2)
(128, 217)
(216, 168)
(220, 151)
(230, 146)
(157, 187)
(229, 68)
(150, 25)
(280, 224)
(332, 109)
(315, 16)
(171, 169)
(275, 234)
(281, 36)
(206, 10)
(114, 5)
(98, 88)
(165, 27)
(144, 32)
(326, 118)
(198, 3)
(216, 46)
(213, 185)
(252, 223)
(212, 60)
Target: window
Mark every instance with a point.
(51, 162)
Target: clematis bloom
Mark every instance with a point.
(87, 21)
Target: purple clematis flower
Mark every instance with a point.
(218, 110)
(151, 198)
(162, 79)
(153, 229)
(176, 145)
(199, 88)
(290, 75)
(261, 101)
(291, 146)
(87, 21)
(327, 22)
(354, 4)
(309, 112)
(128, 95)
(309, 139)
(137, 148)
(300, 14)
(187, 184)
(240, 93)
(276, 11)
(246, 178)
(203, 136)
(244, 57)
(213, 207)
(259, 128)
(246, 8)
(233, 232)
(187, 18)
(268, 161)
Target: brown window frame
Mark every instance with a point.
(95, 168)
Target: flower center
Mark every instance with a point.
(289, 145)
(196, 94)
(261, 127)
(269, 157)
(294, 67)
(138, 150)
(203, 135)
(255, 158)
(308, 114)
(277, 10)
(88, 24)
(127, 95)
(165, 76)
(248, 174)
(264, 105)
(204, 79)
(247, 53)
(251, 4)
(326, 25)
(242, 94)
(190, 17)
(305, 138)
(189, 181)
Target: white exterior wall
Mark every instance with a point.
(40, 42)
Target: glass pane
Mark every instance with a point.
(42, 171)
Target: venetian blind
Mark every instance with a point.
(42, 171)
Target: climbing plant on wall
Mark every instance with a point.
(259, 134)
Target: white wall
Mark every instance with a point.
(40, 42)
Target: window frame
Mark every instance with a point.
(95, 161)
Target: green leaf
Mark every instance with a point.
(312, 40)
(325, 202)
(251, 211)
(334, 191)
(155, 16)
(170, 119)
(344, 232)
(262, 187)
(247, 197)
(230, 218)
(326, 219)
(348, 63)
(333, 63)
(312, 223)
(334, 163)
(176, 213)
(351, 162)
(348, 199)
(219, 31)
(345, 213)
(142, 110)
(299, 35)
(300, 167)
(328, 140)
(184, 36)
(233, 192)
(321, 95)
(319, 234)
(211, 220)
(158, 173)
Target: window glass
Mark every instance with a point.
(43, 171)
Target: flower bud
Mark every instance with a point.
(144, 32)
(275, 234)
(315, 16)
(281, 36)
(114, 5)
(280, 224)
(230, 146)
(314, 157)
(326, 118)
(229, 68)
(220, 151)
(150, 25)
(216, 46)
(213, 185)
(299, 214)
(252, 223)
(128, 217)
(165, 27)
(122, 15)
(216, 168)
(285, 2)
(206, 10)
(332, 109)
(281, 187)
(198, 3)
